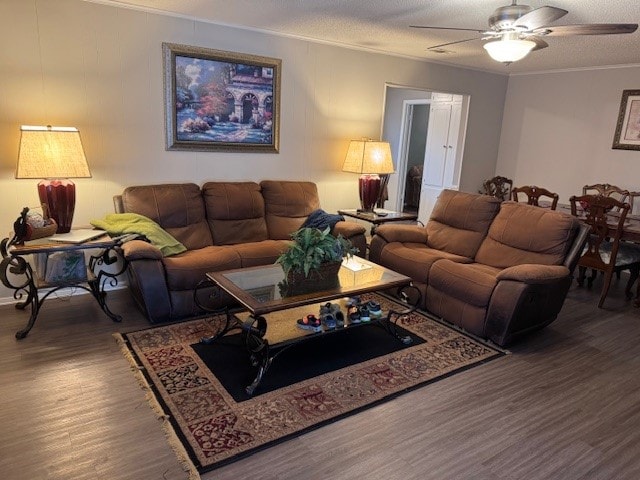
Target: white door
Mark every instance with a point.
(452, 167)
(435, 159)
(443, 153)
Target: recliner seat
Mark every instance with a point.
(516, 272)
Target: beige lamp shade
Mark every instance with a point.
(368, 156)
(51, 152)
(55, 155)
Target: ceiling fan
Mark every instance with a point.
(515, 30)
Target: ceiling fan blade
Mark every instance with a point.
(453, 43)
(448, 28)
(540, 44)
(540, 17)
(589, 29)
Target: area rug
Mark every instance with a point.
(199, 389)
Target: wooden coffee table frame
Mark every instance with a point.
(261, 352)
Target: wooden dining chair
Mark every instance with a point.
(532, 195)
(607, 190)
(604, 251)
(499, 187)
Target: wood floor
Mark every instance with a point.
(564, 405)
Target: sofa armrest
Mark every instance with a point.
(353, 232)
(575, 252)
(348, 229)
(517, 308)
(148, 284)
(402, 233)
(534, 274)
(147, 279)
(140, 250)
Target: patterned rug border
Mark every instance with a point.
(154, 399)
(179, 442)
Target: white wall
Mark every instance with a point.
(99, 68)
(558, 129)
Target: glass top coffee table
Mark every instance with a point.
(263, 291)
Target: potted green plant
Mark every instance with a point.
(314, 256)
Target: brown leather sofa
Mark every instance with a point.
(496, 269)
(223, 225)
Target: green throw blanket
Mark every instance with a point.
(121, 223)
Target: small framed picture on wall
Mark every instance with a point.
(627, 136)
(221, 101)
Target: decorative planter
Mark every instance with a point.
(323, 278)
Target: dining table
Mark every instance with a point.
(630, 228)
(630, 232)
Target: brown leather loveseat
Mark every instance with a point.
(223, 225)
(496, 269)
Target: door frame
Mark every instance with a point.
(394, 119)
(403, 147)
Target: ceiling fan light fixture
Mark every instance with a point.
(508, 50)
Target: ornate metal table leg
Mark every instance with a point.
(20, 267)
(391, 321)
(231, 322)
(35, 309)
(255, 329)
(108, 256)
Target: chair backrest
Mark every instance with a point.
(499, 187)
(533, 194)
(593, 210)
(607, 190)
(634, 202)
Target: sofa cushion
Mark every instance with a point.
(459, 222)
(177, 208)
(235, 212)
(472, 283)
(524, 233)
(461, 293)
(414, 259)
(186, 270)
(287, 206)
(456, 311)
(260, 253)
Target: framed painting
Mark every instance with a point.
(627, 136)
(221, 101)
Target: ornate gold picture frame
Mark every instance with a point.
(221, 101)
(627, 136)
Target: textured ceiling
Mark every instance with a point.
(383, 26)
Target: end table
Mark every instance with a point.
(15, 260)
(379, 217)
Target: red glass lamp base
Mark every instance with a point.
(369, 191)
(59, 197)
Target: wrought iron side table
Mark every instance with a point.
(379, 217)
(17, 273)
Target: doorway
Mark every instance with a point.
(426, 130)
(414, 142)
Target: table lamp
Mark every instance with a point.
(370, 159)
(54, 154)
